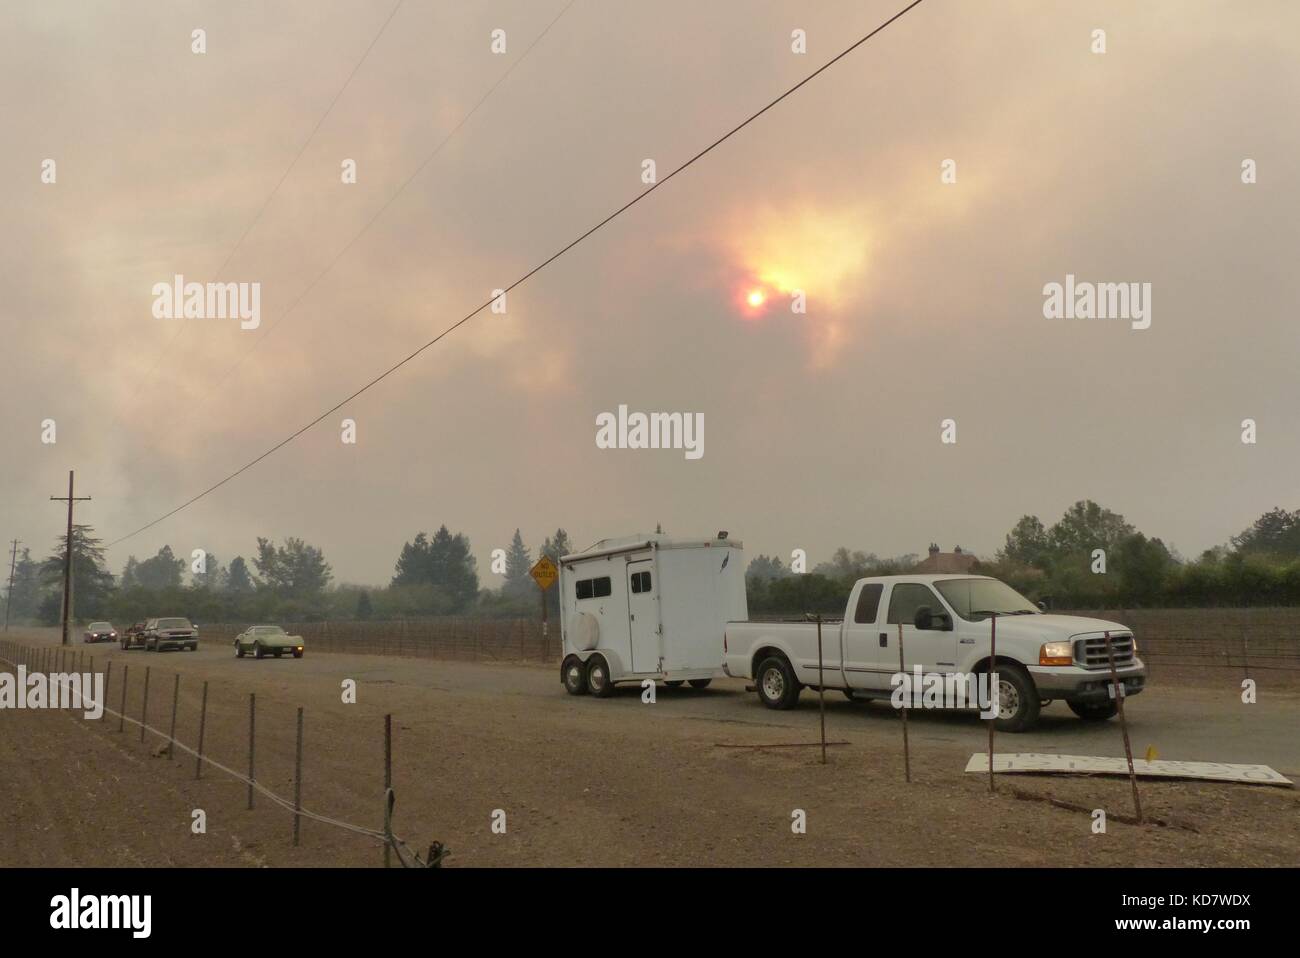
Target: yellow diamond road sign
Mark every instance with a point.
(544, 573)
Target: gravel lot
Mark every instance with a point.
(618, 782)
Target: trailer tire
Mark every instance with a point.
(1094, 711)
(700, 683)
(598, 682)
(674, 683)
(574, 676)
(1016, 686)
(776, 684)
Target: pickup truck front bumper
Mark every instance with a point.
(1073, 684)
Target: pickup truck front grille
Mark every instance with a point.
(1091, 652)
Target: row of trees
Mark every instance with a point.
(1091, 557)
(434, 575)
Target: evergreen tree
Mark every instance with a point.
(518, 562)
(91, 582)
(162, 571)
(24, 599)
(238, 580)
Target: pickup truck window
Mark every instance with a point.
(592, 588)
(968, 597)
(906, 598)
(868, 603)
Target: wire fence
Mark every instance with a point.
(126, 695)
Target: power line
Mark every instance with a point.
(214, 391)
(526, 276)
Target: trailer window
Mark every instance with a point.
(592, 588)
(640, 582)
(868, 603)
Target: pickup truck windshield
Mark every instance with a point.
(173, 623)
(983, 596)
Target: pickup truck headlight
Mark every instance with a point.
(1055, 653)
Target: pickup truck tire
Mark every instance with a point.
(674, 683)
(777, 687)
(574, 676)
(257, 650)
(239, 651)
(1018, 695)
(1094, 711)
(598, 682)
(700, 683)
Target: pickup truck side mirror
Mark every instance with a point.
(1042, 606)
(924, 618)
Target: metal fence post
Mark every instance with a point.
(252, 726)
(203, 722)
(121, 714)
(297, 784)
(1118, 691)
(902, 668)
(821, 686)
(144, 707)
(176, 696)
(388, 776)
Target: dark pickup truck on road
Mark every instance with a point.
(176, 632)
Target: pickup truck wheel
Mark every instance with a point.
(776, 684)
(674, 683)
(574, 676)
(1018, 700)
(239, 651)
(700, 683)
(257, 650)
(598, 677)
(1094, 711)
(297, 654)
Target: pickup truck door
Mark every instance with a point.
(865, 643)
(934, 650)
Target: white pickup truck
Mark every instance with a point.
(945, 624)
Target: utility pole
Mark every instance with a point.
(9, 596)
(67, 558)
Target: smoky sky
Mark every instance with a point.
(924, 298)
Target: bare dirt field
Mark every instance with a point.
(618, 782)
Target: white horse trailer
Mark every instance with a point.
(648, 607)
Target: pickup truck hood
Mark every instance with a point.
(1054, 626)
